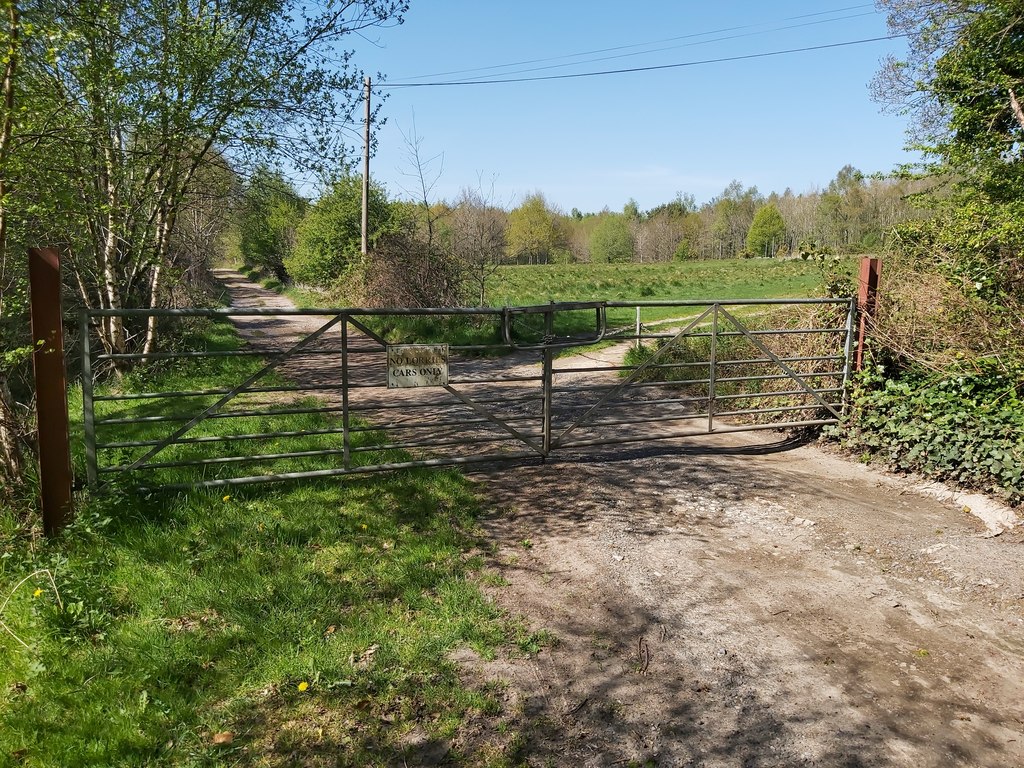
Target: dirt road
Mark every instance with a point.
(744, 600)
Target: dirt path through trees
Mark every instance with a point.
(740, 600)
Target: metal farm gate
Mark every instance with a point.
(322, 393)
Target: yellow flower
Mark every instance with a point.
(303, 686)
(363, 526)
(37, 593)
(227, 498)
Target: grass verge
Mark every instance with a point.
(296, 624)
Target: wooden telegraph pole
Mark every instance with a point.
(366, 174)
(51, 389)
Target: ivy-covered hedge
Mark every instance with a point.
(963, 426)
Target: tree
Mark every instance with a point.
(963, 82)
(612, 240)
(733, 213)
(767, 232)
(533, 234)
(269, 218)
(478, 237)
(146, 93)
(329, 239)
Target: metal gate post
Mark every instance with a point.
(88, 410)
(547, 376)
(712, 371)
(851, 314)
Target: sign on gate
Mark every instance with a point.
(417, 365)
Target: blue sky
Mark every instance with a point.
(773, 122)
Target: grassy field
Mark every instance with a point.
(668, 281)
(266, 625)
(521, 285)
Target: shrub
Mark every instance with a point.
(963, 425)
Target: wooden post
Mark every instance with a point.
(51, 389)
(867, 301)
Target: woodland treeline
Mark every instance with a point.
(449, 248)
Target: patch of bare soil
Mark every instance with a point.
(748, 600)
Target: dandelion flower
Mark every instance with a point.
(37, 593)
(303, 686)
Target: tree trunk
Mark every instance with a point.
(1018, 112)
(11, 460)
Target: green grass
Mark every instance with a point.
(173, 617)
(669, 281)
(524, 285)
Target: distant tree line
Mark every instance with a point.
(443, 252)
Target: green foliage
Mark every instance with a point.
(767, 231)
(962, 425)
(836, 280)
(270, 213)
(611, 240)
(533, 233)
(330, 236)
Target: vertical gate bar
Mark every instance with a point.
(547, 377)
(346, 452)
(712, 362)
(88, 414)
(636, 344)
(851, 313)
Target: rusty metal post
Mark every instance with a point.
(867, 301)
(548, 376)
(51, 389)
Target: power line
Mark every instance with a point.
(653, 68)
(653, 42)
(672, 47)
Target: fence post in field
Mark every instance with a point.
(867, 301)
(51, 389)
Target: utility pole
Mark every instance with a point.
(366, 174)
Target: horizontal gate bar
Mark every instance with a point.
(722, 302)
(221, 438)
(780, 409)
(403, 426)
(320, 312)
(718, 430)
(809, 391)
(305, 454)
(222, 415)
(777, 376)
(211, 353)
(724, 334)
(699, 364)
(322, 473)
(209, 392)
